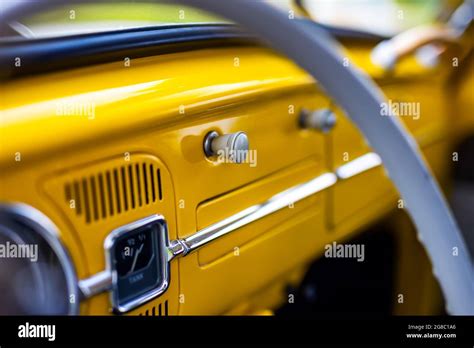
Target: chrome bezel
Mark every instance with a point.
(42, 225)
(163, 244)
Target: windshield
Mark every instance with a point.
(382, 17)
(85, 18)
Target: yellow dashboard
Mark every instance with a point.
(131, 139)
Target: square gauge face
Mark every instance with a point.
(138, 262)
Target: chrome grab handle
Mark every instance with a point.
(388, 52)
(95, 284)
(102, 281)
(258, 211)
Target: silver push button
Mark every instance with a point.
(229, 147)
(323, 119)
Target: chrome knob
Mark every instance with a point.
(323, 119)
(228, 147)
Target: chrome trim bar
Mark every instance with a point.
(359, 165)
(95, 284)
(258, 211)
(388, 52)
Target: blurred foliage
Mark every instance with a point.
(123, 11)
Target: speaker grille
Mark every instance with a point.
(114, 191)
(156, 311)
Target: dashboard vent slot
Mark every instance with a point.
(157, 311)
(114, 191)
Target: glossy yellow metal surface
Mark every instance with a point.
(159, 85)
(160, 108)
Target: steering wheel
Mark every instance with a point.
(314, 50)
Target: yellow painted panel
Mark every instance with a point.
(105, 100)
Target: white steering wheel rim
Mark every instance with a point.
(316, 51)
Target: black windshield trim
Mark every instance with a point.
(27, 57)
